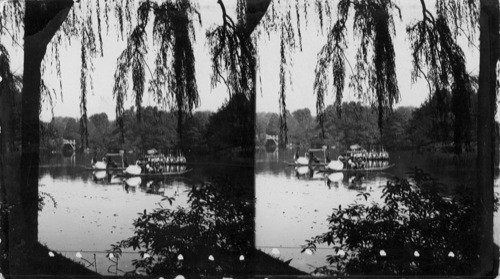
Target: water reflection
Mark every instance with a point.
(225, 219)
(303, 200)
(203, 217)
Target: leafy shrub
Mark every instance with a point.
(217, 222)
(412, 232)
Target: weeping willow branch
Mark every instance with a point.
(88, 50)
(435, 48)
(374, 72)
(283, 139)
(232, 53)
(131, 59)
(174, 65)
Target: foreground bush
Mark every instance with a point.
(415, 230)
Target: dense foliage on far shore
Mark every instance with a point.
(228, 131)
(426, 127)
(157, 129)
(224, 133)
(356, 125)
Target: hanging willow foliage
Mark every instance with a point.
(130, 59)
(10, 86)
(232, 53)
(283, 139)
(81, 25)
(374, 74)
(288, 24)
(435, 48)
(11, 22)
(173, 32)
(88, 52)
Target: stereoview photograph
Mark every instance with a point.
(249, 138)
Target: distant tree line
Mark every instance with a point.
(224, 133)
(430, 127)
(155, 130)
(227, 132)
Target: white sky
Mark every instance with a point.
(300, 94)
(412, 94)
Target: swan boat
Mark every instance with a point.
(107, 164)
(159, 174)
(308, 160)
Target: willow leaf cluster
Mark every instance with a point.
(173, 80)
(130, 60)
(88, 51)
(11, 21)
(288, 18)
(436, 50)
(87, 23)
(374, 76)
(232, 53)
(10, 88)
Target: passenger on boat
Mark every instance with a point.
(350, 164)
(360, 164)
(149, 169)
(160, 168)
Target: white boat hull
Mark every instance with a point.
(335, 165)
(99, 165)
(302, 170)
(100, 175)
(302, 161)
(336, 177)
(133, 181)
(133, 170)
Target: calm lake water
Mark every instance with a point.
(93, 211)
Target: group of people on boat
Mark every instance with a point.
(351, 162)
(371, 155)
(159, 163)
(364, 160)
(169, 159)
(354, 158)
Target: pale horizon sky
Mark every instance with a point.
(300, 94)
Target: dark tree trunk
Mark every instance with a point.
(8, 156)
(489, 51)
(255, 11)
(30, 136)
(20, 172)
(42, 20)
